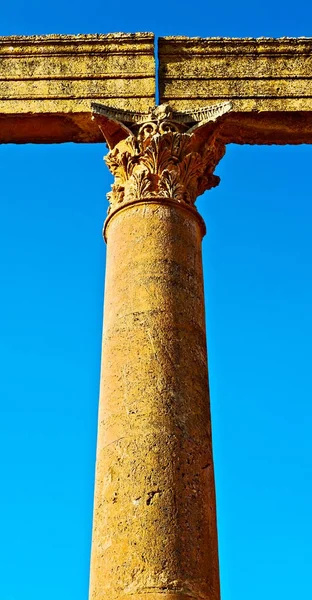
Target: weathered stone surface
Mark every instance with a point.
(47, 83)
(154, 533)
(267, 80)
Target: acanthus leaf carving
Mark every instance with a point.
(162, 159)
(140, 185)
(170, 186)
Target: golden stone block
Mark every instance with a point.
(268, 82)
(47, 83)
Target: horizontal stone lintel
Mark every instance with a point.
(47, 83)
(268, 81)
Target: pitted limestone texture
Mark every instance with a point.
(154, 514)
(267, 80)
(47, 83)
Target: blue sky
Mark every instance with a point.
(257, 264)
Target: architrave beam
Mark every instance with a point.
(268, 81)
(47, 83)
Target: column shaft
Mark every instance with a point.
(154, 514)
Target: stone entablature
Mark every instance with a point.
(47, 84)
(268, 81)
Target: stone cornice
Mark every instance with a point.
(236, 44)
(117, 43)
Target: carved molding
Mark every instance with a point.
(163, 111)
(159, 155)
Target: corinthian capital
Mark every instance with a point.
(161, 154)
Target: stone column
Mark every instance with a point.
(154, 532)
